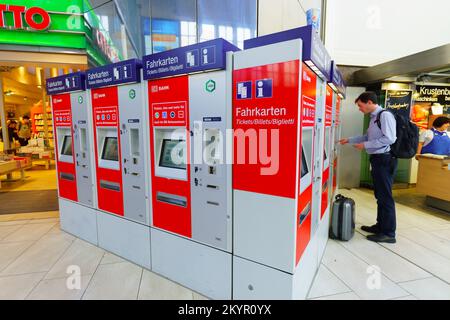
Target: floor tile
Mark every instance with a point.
(117, 281)
(111, 258)
(57, 289)
(428, 240)
(7, 230)
(29, 232)
(443, 234)
(18, 287)
(356, 274)
(11, 250)
(155, 287)
(326, 284)
(47, 220)
(40, 257)
(198, 296)
(392, 265)
(342, 296)
(13, 223)
(406, 298)
(428, 289)
(82, 254)
(427, 259)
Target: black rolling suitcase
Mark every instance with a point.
(342, 226)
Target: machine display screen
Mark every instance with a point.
(110, 149)
(67, 146)
(173, 154)
(305, 169)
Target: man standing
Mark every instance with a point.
(24, 130)
(377, 142)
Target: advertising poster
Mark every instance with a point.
(430, 100)
(165, 35)
(399, 100)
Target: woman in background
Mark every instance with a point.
(437, 139)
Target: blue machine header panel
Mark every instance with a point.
(209, 55)
(66, 83)
(114, 74)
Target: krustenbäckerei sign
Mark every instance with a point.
(209, 55)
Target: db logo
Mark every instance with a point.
(306, 77)
(154, 88)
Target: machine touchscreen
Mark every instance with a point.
(173, 154)
(67, 146)
(110, 149)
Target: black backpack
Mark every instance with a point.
(405, 147)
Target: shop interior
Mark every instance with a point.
(27, 161)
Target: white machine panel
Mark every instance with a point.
(196, 266)
(78, 220)
(125, 238)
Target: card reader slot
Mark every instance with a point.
(213, 203)
(67, 176)
(172, 199)
(109, 185)
(306, 211)
(210, 186)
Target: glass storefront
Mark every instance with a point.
(141, 27)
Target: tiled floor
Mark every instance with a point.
(35, 256)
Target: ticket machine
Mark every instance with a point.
(74, 160)
(338, 86)
(117, 109)
(189, 105)
(279, 102)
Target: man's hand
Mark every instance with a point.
(359, 146)
(343, 141)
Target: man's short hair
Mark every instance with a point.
(25, 117)
(440, 121)
(366, 96)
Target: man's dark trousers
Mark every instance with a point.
(384, 167)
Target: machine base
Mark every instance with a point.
(127, 239)
(79, 220)
(254, 281)
(323, 233)
(203, 269)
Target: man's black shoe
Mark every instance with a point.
(372, 229)
(381, 238)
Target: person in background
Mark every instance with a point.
(436, 140)
(377, 142)
(12, 131)
(24, 130)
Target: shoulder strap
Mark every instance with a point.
(378, 121)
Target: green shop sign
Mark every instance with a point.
(59, 24)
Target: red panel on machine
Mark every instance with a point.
(266, 98)
(169, 107)
(105, 103)
(308, 115)
(62, 115)
(326, 171)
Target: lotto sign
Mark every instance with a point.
(36, 18)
